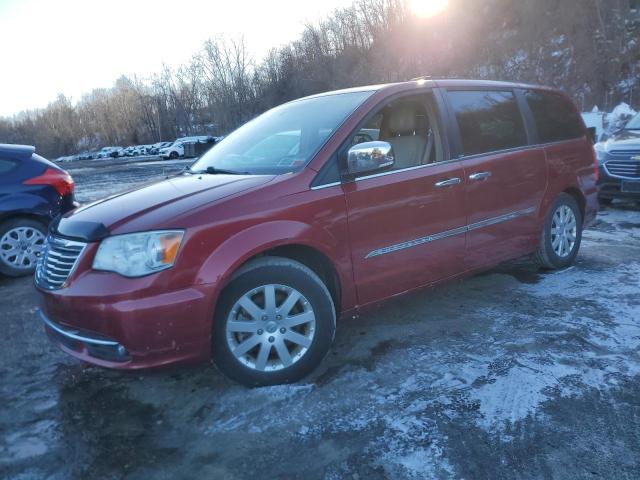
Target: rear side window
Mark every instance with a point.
(6, 166)
(555, 116)
(488, 121)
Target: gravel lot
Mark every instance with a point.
(514, 373)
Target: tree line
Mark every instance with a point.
(589, 48)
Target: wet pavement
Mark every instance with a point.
(515, 373)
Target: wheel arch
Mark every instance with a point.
(308, 256)
(577, 195)
(7, 217)
(551, 196)
(317, 249)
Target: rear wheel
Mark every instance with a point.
(173, 155)
(21, 243)
(562, 234)
(274, 323)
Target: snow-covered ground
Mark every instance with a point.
(515, 373)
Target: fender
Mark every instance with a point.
(237, 249)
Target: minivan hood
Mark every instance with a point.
(623, 140)
(154, 206)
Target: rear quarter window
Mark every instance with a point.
(489, 121)
(555, 117)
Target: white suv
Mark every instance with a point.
(176, 149)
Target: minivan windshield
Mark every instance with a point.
(283, 139)
(633, 124)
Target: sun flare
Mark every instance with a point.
(427, 8)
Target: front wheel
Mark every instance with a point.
(562, 234)
(274, 324)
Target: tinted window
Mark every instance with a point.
(488, 121)
(6, 166)
(555, 117)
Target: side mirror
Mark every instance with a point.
(369, 157)
(593, 134)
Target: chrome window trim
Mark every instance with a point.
(408, 169)
(389, 172)
(326, 185)
(449, 233)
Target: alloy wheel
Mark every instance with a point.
(563, 231)
(270, 327)
(20, 247)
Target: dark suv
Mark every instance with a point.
(33, 191)
(619, 160)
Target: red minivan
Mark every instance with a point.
(311, 211)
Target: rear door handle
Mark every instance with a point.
(479, 176)
(448, 182)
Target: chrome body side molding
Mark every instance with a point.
(449, 233)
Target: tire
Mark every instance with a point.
(271, 333)
(605, 201)
(550, 253)
(174, 155)
(24, 237)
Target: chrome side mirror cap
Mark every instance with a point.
(369, 157)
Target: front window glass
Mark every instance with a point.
(634, 123)
(283, 139)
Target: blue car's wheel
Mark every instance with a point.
(21, 243)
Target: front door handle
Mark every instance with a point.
(448, 183)
(479, 176)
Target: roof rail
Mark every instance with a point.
(16, 152)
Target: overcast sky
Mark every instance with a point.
(49, 47)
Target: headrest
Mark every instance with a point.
(402, 120)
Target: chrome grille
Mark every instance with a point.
(624, 169)
(57, 261)
(624, 153)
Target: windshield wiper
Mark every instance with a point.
(218, 171)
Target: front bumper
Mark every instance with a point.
(610, 187)
(130, 330)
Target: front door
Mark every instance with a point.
(407, 225)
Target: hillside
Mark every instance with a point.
(589, 48)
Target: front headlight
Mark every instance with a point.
(138, 254)
(601, 153)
